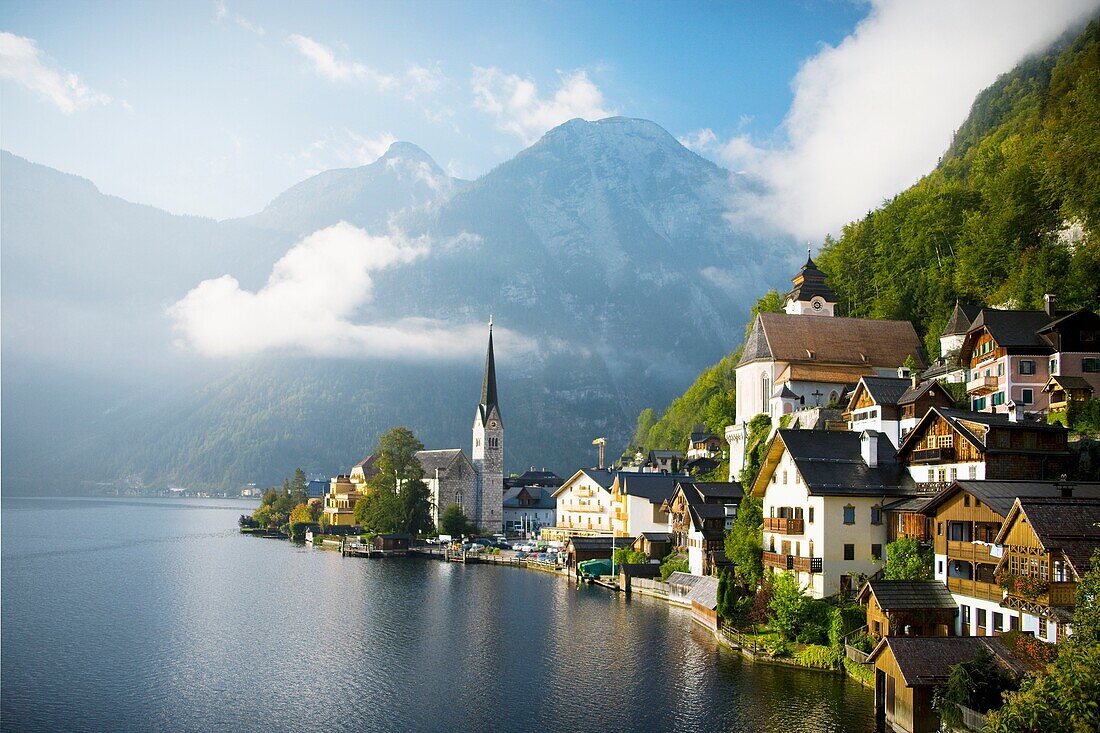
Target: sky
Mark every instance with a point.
(213, 108)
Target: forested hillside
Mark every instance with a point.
(1011, 212)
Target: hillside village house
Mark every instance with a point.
(807, 357)
(893, 405)
(699, 515)
(908, 608)
(583, 506)
(638, 501)
(823, 496)
(949, 445)
(1047, 545)
(949, 367)
(1012, 354)
(968, 516)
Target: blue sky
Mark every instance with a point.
(213, 108)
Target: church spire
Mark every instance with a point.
(489, 383)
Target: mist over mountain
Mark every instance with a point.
(604, 246)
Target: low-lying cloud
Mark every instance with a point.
(22, 62)
(873, 114)
(310, 298)
(520, 111)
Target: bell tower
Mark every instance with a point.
(488, 449)
(811, 295)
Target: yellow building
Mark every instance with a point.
(339, 510)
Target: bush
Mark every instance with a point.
(811, 633)
(674, 563)
(862, 672)
(1029, 650)
(843, 620)
(777, 647)
(817, 656)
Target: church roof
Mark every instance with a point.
(810, 282)
(489, 381)
(961, 318)
(831, 340)
(430, 460)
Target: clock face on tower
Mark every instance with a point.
(816, 305)
(492, 423)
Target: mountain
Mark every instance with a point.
(604, 246)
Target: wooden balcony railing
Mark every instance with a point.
(982, 385)
(975, 589)
(784, 525)
(792, 562)
(945, 454)
(1057, 594)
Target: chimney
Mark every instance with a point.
(1015, 412)
(868, 447)
(1066, 490)
(914, 381)
(1048, 304)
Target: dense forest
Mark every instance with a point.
(1011, 212)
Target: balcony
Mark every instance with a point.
(792, 562)
(982, 385)
(784, 525)
(970, 552)
(945, 454)
(1056, 594)
(587, 508)
(975, 589)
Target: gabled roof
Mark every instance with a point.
(1060, 320)
(543, 499)
(593, 544)
(907, 595)
(1067, 383)
(719, 489)
(927, 660)
(656, 487)
(967, 423)
(912, 394)
(666, 454)
(700, 433)
(831, 464)
(430, 460)
(1001, 495)
(961, 318)
(598, 476)
(882, 390)
(810, 282)
(1011, 328)
(1071, 525)
(656, 536)
(832, 340)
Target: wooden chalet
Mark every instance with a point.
(392, 544)
(908, 608)
(908, 669)
(580, 549)
(654, 545)
(1067, 391)
(699, 515)
(1047, 545)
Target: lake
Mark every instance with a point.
(155, 614)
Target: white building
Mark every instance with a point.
(583, 505)
(638, 501)
(807, 357)
(823, 494)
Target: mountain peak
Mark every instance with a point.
(406, 151)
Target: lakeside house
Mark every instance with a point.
(908, 608)
(823, 496)
(968, 517)
(583, 506)
(807, 357)
(699, 514)
(1011, 355)
(638, 501)
(527, 509)
(339, 505)
(908, 669)
(581, 548)
(1047, 544)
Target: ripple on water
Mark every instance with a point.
(152, 616)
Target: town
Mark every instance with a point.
(911, 522)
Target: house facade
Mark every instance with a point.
(699, 516)
(527, 509)
(638, 501)
(823, 495)
(582, 506)
(451, 479)
(339, 506)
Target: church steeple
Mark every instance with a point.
(811, 295)
(489, 381)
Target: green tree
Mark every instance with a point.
(906, 561)
(397, 462)
(744, 542)
(788, 606)
(977, 684)
(756, 449)
(379, 511)
(299, 487)
(416, 516)
(397, 499)
(629, 556)
(453, 521)
(1086, 615)
(304, 513)
(769, 302)
(674, 563)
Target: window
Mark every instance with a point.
(1013, 623)
(876, 515)
(1027, 396)
(981, 618)
(811, 515)
(1088, 335)
(973, 472)
(1090, 364)
(966, 499)
(1053, 367)
(954, 473)
(939, 529)
(876, 551)
(849, 552)
(998, 398)
(849, 514)
(939, 567)
(1001, 369)
(784, 477)
(765, 390)
(998, 622)
(1027, 366)
(966, 614)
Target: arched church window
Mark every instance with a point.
(765, 390)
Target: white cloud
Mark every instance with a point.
(873, 114)
(310, 298)
(324, 62)
(222, 12)
(24, 63)
(421, 80)
(519, 110)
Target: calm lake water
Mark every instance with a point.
(151, 615)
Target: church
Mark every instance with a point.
(475, 484)
(807, 357)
